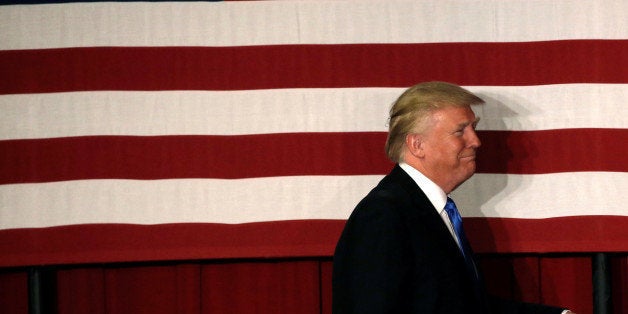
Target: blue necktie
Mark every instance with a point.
(456, 221)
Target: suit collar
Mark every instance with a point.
(428, 215)
(434, 193)
(412, 189)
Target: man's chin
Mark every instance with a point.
(470, 171)
(468, 163)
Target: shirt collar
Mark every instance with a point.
(434, 193)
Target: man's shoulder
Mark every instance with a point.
(396, 184)
(389, 188)
(396, 191)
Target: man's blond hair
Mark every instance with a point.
(410, 112)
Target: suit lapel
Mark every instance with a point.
(426, 211)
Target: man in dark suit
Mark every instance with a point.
(400, 251)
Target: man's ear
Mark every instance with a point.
(414, 144)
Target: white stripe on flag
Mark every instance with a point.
(307, 22)
(543, 195)
(293, 110)
(287, 198)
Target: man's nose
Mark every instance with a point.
(474, 140)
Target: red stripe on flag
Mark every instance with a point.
(560, 234)
(291, 154)
(124, 243)
(163, 157)
(551, 151)
(312, 66)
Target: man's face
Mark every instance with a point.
(449, 146)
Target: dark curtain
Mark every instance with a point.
(288, 285)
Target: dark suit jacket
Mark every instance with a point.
(395, 255)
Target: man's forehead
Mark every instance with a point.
(456, 113)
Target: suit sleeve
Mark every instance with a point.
(503, 306)
(371, 262)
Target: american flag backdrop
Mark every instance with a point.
(133, 131)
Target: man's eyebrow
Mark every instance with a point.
(474, 123)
